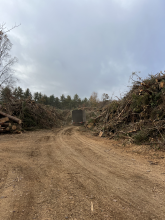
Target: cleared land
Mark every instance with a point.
(67, 174)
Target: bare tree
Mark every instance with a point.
(93, 100)
(105, 97)
(6, 61)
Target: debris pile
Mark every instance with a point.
(139, 116)
(32, 115)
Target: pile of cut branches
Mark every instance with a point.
(33, 115)
(139, 116)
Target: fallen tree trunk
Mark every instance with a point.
(5, 124)
(11, 117)
(2, 120)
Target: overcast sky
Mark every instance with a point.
(81, 46)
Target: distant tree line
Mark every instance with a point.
(64, 102)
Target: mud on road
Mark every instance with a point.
(64, 174)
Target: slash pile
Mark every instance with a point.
(33, 115)
(139, 116)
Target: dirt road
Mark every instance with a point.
(64, 174)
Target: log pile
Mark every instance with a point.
(139, 116)
(32, 115)
(9, 124)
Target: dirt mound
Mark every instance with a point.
(139, 116)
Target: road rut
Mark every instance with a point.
(63, 174)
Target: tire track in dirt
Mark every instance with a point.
(132, 188)
(61, 174)
(85, 185)
(27, 171)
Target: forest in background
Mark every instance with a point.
(64, 102)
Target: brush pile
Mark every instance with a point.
(139, 116)
(33, 115)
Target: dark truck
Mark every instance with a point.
(78, 117)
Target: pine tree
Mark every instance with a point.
(68, 102)
(62, 100)
(36, 96)
(5, 94)
(57, 103)
(76, 101)
(18, 93)
(27, 94)
(52, 100)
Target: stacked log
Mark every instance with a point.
(7, 123)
